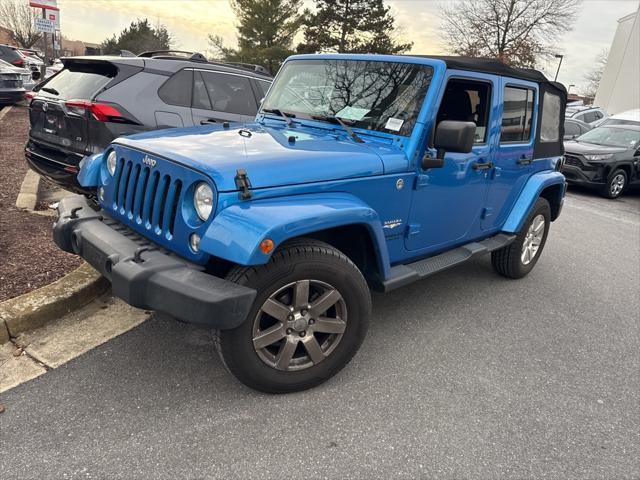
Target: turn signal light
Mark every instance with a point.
(266, 246)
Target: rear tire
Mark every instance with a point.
(519, 257)
(309, 318)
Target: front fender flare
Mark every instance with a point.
(237, 231)
(528, 196)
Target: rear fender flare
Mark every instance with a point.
(236, 232)
(528, 196)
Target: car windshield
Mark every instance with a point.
(612, 137)
(372, 95)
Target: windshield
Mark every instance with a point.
(373, 95)
(611, 137)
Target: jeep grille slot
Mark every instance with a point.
(146, 196)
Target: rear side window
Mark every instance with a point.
(571, 129)
(517, 114)
(264, 87)
(81, 81)
(229, 93)
(177, 90)
(550, 124)
(200, 95)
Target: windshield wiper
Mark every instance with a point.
(284, 115)
(347, 128)
(53, 91)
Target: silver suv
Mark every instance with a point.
(93, 100)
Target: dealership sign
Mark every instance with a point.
(48, 4)
(45, 25)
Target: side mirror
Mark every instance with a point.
(451, 136)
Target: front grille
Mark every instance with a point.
(572, 160)
(147, 196)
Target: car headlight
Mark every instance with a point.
(203, 201)
(112, 162)
(604, 156)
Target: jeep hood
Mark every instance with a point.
(265, 152)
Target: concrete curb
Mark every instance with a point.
(28, 196)
(4, 111)
(34, 309)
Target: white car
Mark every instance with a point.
(25, 74)
(590, 114)
(629, 117)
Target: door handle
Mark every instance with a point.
(524, 160)
(208, 121)
(482, 165)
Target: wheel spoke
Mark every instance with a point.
(329, 325)
(269, 336)
(327, 300)
(313, 349)
(276, 309)
(301, 294)
(285, 354)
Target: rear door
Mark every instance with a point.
(514, 153)
(56, 123)
(220, 97)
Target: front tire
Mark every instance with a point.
(519, 257)
(309, 318)
(616, 184)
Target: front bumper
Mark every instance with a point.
(146, 276)
(577, 176)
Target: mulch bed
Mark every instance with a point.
(28, 257)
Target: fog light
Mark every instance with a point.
(194, 242)
(101, 194)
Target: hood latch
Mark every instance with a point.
(243, 184)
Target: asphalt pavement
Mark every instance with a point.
(463, 375)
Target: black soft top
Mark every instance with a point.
(494, 66)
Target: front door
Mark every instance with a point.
(448, 202)
(514, 154)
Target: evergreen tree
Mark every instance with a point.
(356, 26)
(139, 37)
(265, 32)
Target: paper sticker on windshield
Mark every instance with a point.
(352, 113)
(394, 124)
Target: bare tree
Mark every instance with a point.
(594, 76)
(518, 32)
(19, 17)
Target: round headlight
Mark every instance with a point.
(111, 162)
(203, 201)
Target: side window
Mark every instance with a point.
(200, 95)
(230, 93)
(264, 87)
(550, 122)
(177, 89)
(590, 117)
(571, 129)
(467, 101)
(517, 114)
(599, 114)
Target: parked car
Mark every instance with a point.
(605, 158)
(629, 117)
(93, 100)
(360, 171)
(12, 55)
(586, 114)
(11, 88)
(25, 74)
(574, 128)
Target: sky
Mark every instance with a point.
(189, 21)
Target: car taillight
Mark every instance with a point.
(30, 95)
(18, 63)
(101, 111)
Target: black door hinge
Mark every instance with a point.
(243, 184)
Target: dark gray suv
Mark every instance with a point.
(93, 100)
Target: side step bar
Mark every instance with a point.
(402, 275)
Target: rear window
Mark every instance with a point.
(80, 81)
(550, 125)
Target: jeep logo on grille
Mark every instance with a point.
(149, 161)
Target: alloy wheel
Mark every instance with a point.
(617, 185)
(532, 240)
(299, 325)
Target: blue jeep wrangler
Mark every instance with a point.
(359, 172)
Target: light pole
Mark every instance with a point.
(557, 55)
